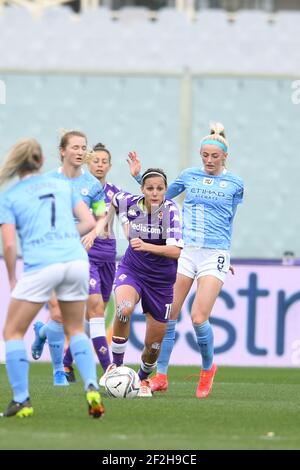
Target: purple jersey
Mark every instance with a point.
(104, 249)
(160, 227)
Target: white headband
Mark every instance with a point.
(153, 173)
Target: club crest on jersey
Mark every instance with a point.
(110, 194)
(208, 181)
(223, 184)
(122, 277)
(84, 191)
(160, 215)
(132, 212)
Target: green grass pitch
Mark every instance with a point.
(249, 408)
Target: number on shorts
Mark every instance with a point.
(221, 261)
(52, 198)
(168, 311)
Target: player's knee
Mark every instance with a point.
(12, 331)
(200, 317)
(95, 309)
(53, 303)
(56, 316)
(92, 303)
(54, 310)
(174, 313)
(124, 311)
(6, 333)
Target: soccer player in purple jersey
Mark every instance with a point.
(212, 194)
(147, 271)
(102, 259)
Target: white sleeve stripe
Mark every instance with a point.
(174, 242)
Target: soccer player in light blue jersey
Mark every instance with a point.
(41, 210)
(73, 150)
(102, 259)
(212, 195)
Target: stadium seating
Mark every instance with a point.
(121, 82)
(59, 38)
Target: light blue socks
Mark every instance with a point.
(56, 341)
(83, 356)
(17, 367)
(166, 348)
(205, 340)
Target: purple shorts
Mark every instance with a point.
(155, 300)
(101, 278)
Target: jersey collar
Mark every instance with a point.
(140, 204)
(223, 172)
(60, 171)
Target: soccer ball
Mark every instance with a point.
(122, 382)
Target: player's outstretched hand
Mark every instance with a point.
(134, 163)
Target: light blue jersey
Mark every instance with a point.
(40, 207)
(87, 185)
(209, 206)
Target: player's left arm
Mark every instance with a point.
(101, 229)
(10, 251)
(238, 197)
(86, 221)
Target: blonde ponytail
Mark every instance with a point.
(25, 156)
(217, 133)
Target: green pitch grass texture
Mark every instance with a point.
(249, 408)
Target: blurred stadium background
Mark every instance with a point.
(150, 76)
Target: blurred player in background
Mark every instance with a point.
(102, 259)
(147, 271)
(211, 199)
(40, 209)
(73, 150)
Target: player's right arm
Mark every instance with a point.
(135, 165)
(10, 252)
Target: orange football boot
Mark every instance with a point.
(206, 382)
(159, 383)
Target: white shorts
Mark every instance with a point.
(196, 262)
(69, 281)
